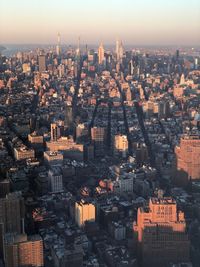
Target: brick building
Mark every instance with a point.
(161, 233)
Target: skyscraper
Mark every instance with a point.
(58, 47)
(119, 51)
(42, 63)
(84, 211)
(120, 145)
(98, 136)
(161, 233)
(177, 54)
(55, 179)
(68, 116)
(55, 131)
(101, 57)
(78, 50)
(187, 159)
(21, 250)
(12, 212)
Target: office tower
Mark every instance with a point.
(81, 131)
(130, 67)
(177, 54)
(196, 63)
(141, 153)
(2, 250)
(84, 211)
(101, 57)
(68, 116)
(55, 179)
(21, 250)
(161, 233)
(55, 132)
(98, 136)
(58, 46)
(12, 212)
(119, 51)
(163, 109)
(42, 63)
(91, 55)
(61, 70)
(78, 50)
(120, 145)
(4, 188)
(187, 159)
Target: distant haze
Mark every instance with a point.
(147, 22)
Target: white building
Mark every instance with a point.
(84, 211)
(55, 179)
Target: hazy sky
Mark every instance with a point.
(134, 21)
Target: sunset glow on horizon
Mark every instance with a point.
(145, 22)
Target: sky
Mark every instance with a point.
(145, 22)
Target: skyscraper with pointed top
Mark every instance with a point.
(101, 56)
(58, 46)
(119, 50)
(78, 50)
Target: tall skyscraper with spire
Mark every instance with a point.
(119, 50)
(101, 56)
(58, 46)
(78, 50)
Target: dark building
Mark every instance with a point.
(42, 63)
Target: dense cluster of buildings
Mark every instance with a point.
(100, 157)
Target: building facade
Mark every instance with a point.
(187, 159)
(161, 233)
(84, 211)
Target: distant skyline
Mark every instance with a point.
(136, 22)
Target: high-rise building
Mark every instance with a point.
(21, 250)
(161, 233)
(55, 179)
(42, 63)
(12, 212)
(58, 47)
(98, 136)
(119, 50)
(68, 116)
(4, 188)
(101, 56)
(78, 50)
(177, 54)
(187, 159)
(120, 145)
(55, 132)
(130, 67)
(81, 131)
(84, 211)
(163, 109)
(196, 63)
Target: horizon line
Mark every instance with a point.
(106, 44)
